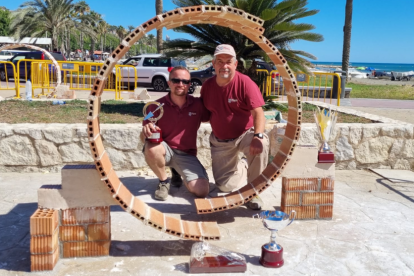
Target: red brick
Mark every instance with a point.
(42, 262)
(98, 88)
(299, 184)
(234, 199)
(99, 231)
(327, 184)
(86, 249)
(203, 205)
(290, 198)
(326, 211)
(317, 198)
(156, 218)
(209, 230)
(191, 230)
(44, 244)
(97, 147)
(44, 222)
(292, 131)
(93, 127)
(72, 233)
(173, 226)
(85, 215)
(219, 203)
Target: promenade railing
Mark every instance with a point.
(7, 71)
(317, 86)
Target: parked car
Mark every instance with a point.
(25, 66)
(152, 70)
(199, 77)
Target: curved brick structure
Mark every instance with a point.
(251, 27)
(17, 45)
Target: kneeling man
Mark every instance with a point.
(182, 117)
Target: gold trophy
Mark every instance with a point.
(156, 136)
(325, 122)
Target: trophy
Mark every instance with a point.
(156, 136)
(272, 253)
(325, 122)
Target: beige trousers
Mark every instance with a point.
(229, 171)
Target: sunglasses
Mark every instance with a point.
(177, 81)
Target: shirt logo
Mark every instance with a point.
(191, 114)
(232, 100)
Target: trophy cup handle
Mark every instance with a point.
(292, 213)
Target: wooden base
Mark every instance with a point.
(219, 264)
(326, 157)
(272, 259)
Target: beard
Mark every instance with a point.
(224, 74)
(179, 92)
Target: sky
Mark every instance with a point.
(382, 30)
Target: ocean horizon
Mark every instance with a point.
(386, 67)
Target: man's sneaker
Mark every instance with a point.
(176, 180)
(255, 204)
(162, 191)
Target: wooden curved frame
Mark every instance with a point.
(225, 16)
(17, 45)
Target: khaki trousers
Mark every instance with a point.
(229, 171)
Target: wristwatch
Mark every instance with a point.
(258, 135)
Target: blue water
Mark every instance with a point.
(387, 67)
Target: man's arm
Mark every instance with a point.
(256, 146)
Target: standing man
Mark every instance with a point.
(182, 117)
(237, 120)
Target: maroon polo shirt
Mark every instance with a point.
(179, 125)
(231, 105)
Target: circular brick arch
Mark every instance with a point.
(17, 45)
(251, 27)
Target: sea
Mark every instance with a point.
(380, 67)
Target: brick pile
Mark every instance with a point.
(311, 198)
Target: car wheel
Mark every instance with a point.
(159, 84)
(194, 84)
(2, 75)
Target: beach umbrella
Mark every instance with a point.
(360, 68)
(370, 68)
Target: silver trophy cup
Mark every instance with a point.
(272, 253)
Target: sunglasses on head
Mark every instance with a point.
(177, 81)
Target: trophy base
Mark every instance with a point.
(326, 157)
(218, 264)
(155, 138)
(272, 259)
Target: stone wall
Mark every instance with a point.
(47, 147)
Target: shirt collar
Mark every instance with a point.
(189, 100)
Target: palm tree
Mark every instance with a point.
(151, 40)
(346, 50)
(121, 32)
(158, 10)
(279, 26)
(101, 30)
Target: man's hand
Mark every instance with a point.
(256, 146)
(149, 129)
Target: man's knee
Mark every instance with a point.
(199, 187)
(153, 151)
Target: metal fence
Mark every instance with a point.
(7, 71)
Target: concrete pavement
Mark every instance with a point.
(371, 233)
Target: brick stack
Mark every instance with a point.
(85, 232)
(44, 231)
(311, 198)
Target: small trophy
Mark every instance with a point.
(156, 136)
(325, 122)
(272, 253)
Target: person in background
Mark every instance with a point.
(238, 121)
(182, 117)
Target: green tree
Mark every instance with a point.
(346, 49)
(280, 29)
(4, 21)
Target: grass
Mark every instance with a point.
(112, 112)
(395, 92)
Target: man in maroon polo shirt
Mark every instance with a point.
(182, 117)
(237, 120)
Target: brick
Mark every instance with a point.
(86, 249)
(44, 244)
(94, 107)
(203, 205)
(44, 262)
(234, 199)
(97, 147)
(287, 146)
(326, 212)
(302, 212)
(99, 231)
(317, 198)
(327, 184)
(156, 218)
(247, 192)
(85, 215)
(299, 184)
(219, 203)
(295, 114)
(93, 127)
(209, 230)
(290, 198)
(292, 131)
(112, 181)
(191, 230)
(98, 86)
(44, 222)
(279, 159)
(103, 164)
(138, 208)
(173, 226)
(72, 233)
(123, 196)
